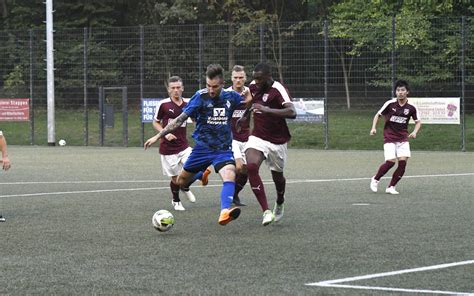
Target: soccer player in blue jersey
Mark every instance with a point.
(212, 110)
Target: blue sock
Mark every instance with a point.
(227, 194)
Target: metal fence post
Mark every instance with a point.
(86, 114)
(463, 86)
(32, 110)
(201, 46)
(142, 125)
(326, 56)
(394, 64)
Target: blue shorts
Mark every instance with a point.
(201, 157)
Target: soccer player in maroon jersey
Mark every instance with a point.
(239, 136)
(268, 141)
(396, 112)
(174, 148)
(5, 161)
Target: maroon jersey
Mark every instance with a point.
(244, 133)
(396, 120)
(267, 127)
(165, 112)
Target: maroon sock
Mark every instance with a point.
(240, 182)
(257, 185)
(383, 169)
(175, 191)
(398, 174)
(280, 185)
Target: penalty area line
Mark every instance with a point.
(337, 283)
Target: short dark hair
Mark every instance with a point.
(401, 83)
(265, 68)
(215, 70)
(238, 68)
(175, 79)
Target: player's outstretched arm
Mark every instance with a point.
(415, 130)
(177, 122)
(288, 111)
(373, 130)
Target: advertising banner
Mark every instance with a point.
(438, 110)
(14, 109)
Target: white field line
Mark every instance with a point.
(397, 289)
(336, 283)
(166, 187)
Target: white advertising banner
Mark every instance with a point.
(438, 110)
(309, 109)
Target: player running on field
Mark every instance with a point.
(240, 135)
(396, 112)
(212, 109)
(5, 161)
(271, 106)
(174, 148)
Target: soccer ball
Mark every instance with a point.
(62, 142)
(163, 220)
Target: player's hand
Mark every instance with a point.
(373, 131)
(5, 163)
(170, 137)
(258, 108)
(412, 135)
(150, 142)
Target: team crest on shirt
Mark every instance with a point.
(406, 111)
(227, 104)
(265, 97)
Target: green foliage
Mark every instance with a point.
(14, 81)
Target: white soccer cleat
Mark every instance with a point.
(391, 190)
(373, 184)
(268, 217)
(178, 206)
(190, 196)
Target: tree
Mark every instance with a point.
(364, 27)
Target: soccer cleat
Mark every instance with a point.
(228, 215)
(178, 206)
(190, 196)
(236, 201)
(278, 211)
(205, 177)
(373, 184)
(2, 219)
(391, 190)
(268, 217)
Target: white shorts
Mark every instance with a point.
(396, 150)
(238, 148)
(173, 164)
(275, 154)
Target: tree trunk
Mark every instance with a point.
(231, 51)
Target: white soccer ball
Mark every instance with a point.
(62, 142)
(163, 220)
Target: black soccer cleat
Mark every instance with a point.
(237, 202)
(2, 219)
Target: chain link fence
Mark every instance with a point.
(351, 66)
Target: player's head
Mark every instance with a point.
(238, 77)
(262, 75)
(175, 87)
(214, 79)
(401, 89)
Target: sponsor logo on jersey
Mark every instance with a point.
(398, 119)
(238, 113)
(171, 110)
(218, 117)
